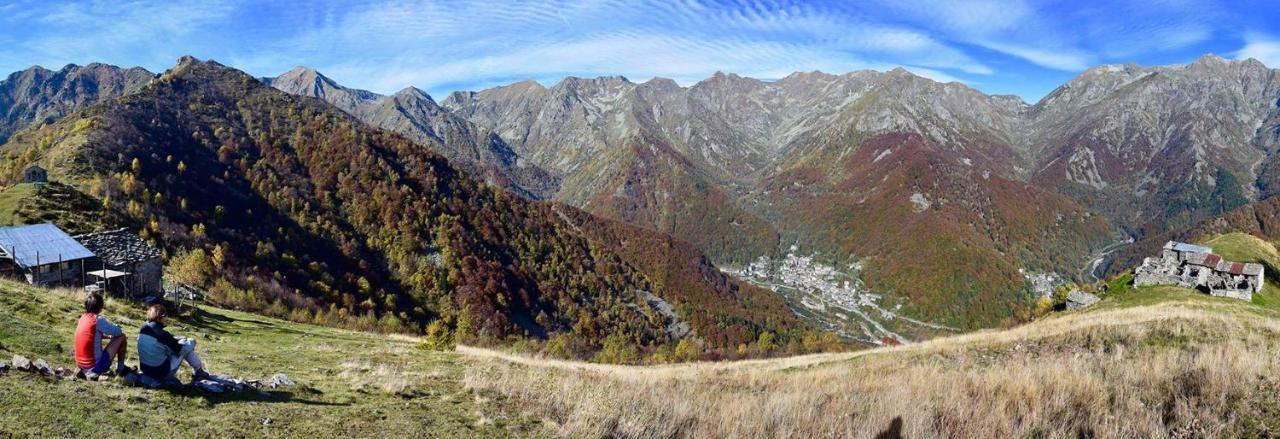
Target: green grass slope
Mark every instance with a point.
(56, 203)
(350, 384)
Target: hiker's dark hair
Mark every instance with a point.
(155, 312)
(93, 303)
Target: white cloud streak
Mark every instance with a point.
(440, 45)
(1261, 48)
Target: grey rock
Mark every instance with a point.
(4, 367)
(21, 363)
(1077, 299)
(279, 380)
(41, 366)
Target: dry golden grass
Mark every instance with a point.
(1170, 369)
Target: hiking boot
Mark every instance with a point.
(199, 375)
(124, 371)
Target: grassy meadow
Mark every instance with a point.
(350, 384)
(1182, 367)
(1144, 362)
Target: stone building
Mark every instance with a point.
(42, 254)
(123, 262)
(1193, 266)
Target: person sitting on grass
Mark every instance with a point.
(161, 353)
(92, 357)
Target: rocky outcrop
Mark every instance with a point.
(304, 81)
(1077, 299)
(39, 96)
(1159, 147)
(416, 115)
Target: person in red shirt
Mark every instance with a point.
(91, 356)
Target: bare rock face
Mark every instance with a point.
(38, 96)
(303, 81)
(1162, 146)
(827, 161)
(416, 115)
(1151, 148)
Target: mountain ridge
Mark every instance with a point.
(721, 163)
(313, 215)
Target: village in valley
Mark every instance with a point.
(836, 299)
(833, 297)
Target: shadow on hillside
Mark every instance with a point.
(220, 324)
(894, 431)
(266, 396)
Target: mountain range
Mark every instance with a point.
(414, 114)
(944, 196)
(37, 95)
(312, 215)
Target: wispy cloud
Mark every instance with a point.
(55, 34)
(1068, 36)
(444, 45)
(1261, 48)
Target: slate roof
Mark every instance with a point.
(1187, 248)
(1231, 267)
(1204, 259)
(45, 243)
(118, 247)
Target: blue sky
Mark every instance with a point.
(1020, 47)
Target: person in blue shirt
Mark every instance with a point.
(161, 354)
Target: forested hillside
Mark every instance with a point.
(307, 213)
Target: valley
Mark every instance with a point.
(621, 219)
(835, 298)
(970, 222)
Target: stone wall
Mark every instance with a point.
(147, 276)
(1244, 295)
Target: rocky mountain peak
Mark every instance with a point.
(1210, 59)
(305, 81)
(731, 78)
(662, 84)
(187, 59)
(39, 95)
(414, 93)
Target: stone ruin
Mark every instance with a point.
(1193, 266)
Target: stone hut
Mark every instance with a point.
(123, 262)
(42, 254)
(1193, 266)
(35, 174)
